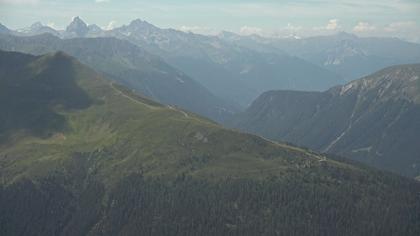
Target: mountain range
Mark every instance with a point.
(132, 66)
(217, 76)
(250, 65)
(232, 72)
(83, 155)
(344, 54)
(238, 68)
(375, 119)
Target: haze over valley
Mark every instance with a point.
(251, 123)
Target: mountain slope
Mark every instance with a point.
(96, 113)
(235, 73)
(375, 119)
(128, 64)
(115, 163)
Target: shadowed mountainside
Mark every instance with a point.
(375, 120)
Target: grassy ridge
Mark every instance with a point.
(134, 132)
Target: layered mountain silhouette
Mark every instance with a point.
(232, 72)
(239, 68)
(345, 54)
(375, 119)
(132, 66)
(81, 155)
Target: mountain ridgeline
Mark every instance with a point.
(230, 71)
(344, 54)
(375, 119)
(131, 66)
(81, 155)
(238, 68)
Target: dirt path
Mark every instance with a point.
(130, 98)
(181, 111)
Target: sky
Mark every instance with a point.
(274, 18)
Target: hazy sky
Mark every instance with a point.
(396, 18)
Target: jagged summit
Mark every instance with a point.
(94, 28)
(36, 25)
(77, 19)
(77, 27)
(138, 23)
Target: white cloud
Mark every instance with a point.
(248, 30)
(298, 31)
(290, 30)
(101, 1)
(408, 30)
(111, 25)
(199, 30)
(405, 30)
(186, 28)
(363, 27)
(52, 25)
(293, 28)
(401, 26)
(333, 24)
(19, 2)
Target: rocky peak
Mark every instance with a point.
(140, 24)
(78, 27)
(37, 25)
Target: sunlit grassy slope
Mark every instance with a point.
(122, 133)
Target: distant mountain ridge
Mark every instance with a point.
(131, 66)
(37, 28)
(254, 64)
(375, 120)
(345, 54)
(230, 71)
(77, 27)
